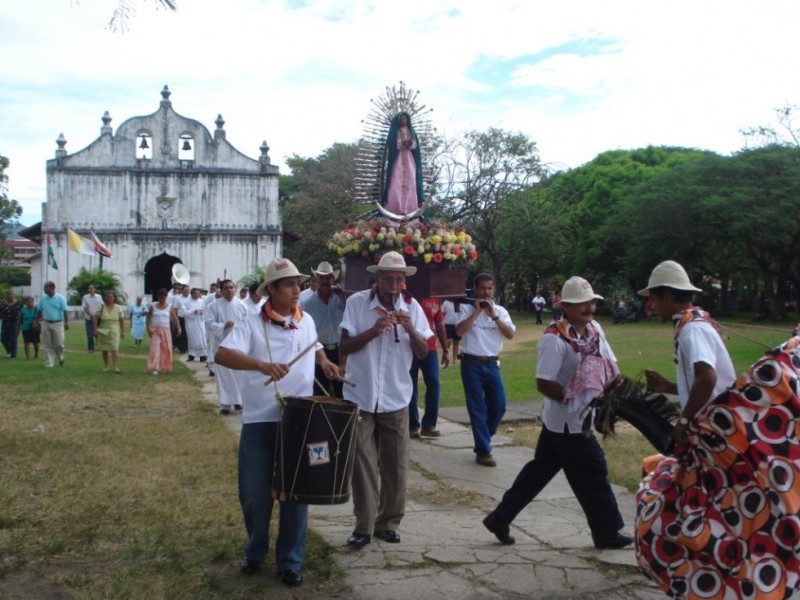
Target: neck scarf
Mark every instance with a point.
(693, 313)
(586, 344)
(269, 315)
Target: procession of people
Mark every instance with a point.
(716, 518)
(380, 338)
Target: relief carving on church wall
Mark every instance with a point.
(165, 207)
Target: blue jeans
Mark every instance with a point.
(430, 374)
(257, 445)
(486, 401)
(87, 323)
(584, 464)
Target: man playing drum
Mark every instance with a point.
(382, 329)
(262, 345)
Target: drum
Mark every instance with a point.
(316, 450)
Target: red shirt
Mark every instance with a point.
(432, 307)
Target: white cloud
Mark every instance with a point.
(579, 76)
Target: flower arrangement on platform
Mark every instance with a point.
(422, 243)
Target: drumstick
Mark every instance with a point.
(305, 350)
(295, 359)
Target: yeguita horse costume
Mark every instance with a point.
(720, 519)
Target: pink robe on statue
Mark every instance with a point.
(401, 196)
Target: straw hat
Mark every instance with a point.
(575, 291)
(280, 268)
(325, 268)
(392, 261)
(669, 274)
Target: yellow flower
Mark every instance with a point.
(428, 256)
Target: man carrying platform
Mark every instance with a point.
(326, 305)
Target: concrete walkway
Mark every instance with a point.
(445, 550)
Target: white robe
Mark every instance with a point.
(192, 313)
(216, 315)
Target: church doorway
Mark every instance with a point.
(158, 273)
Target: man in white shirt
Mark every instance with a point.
(221, 317)
(483, 327)
(261, 346)
(562, 444)
(91, 303)
(253, 302)
(381, 330)
(704, 368)
(191, 313)
(538, 304)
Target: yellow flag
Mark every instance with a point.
(78, 244)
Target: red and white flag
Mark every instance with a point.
(100, 247)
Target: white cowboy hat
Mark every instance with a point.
(392, 261)
(325, 268)
(669, 274)
(279, 268)
(575, 291)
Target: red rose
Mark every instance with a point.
(473, 255)
(437, 258)
(408, 250)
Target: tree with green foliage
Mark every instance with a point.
(728, 219)
(318, 200)
(10, 210)
(258, 275)
(103, 281)
(478, 173)
(533, 233)
(14, 277)
(598, 194)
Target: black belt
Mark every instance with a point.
(49, 321)
(483, 360)
(330, 347)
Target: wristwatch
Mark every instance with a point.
(683, 421)
(495, 318)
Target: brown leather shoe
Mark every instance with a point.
(430, 433)
(414, 434)
(486, 460)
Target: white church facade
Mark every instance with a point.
(161, 189)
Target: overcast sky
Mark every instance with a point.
(578, 77)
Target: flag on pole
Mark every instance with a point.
(79, 244)
(99, 247)
(51, 257)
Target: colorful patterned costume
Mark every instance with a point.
(721, 519)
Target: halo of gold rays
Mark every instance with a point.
(370, 160)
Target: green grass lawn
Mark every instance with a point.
(123, 486)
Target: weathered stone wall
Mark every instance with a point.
(190, 195)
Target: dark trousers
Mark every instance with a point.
(89, 326)
(181, 342)
(332, 387)
(584, 465)
(8, 335)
